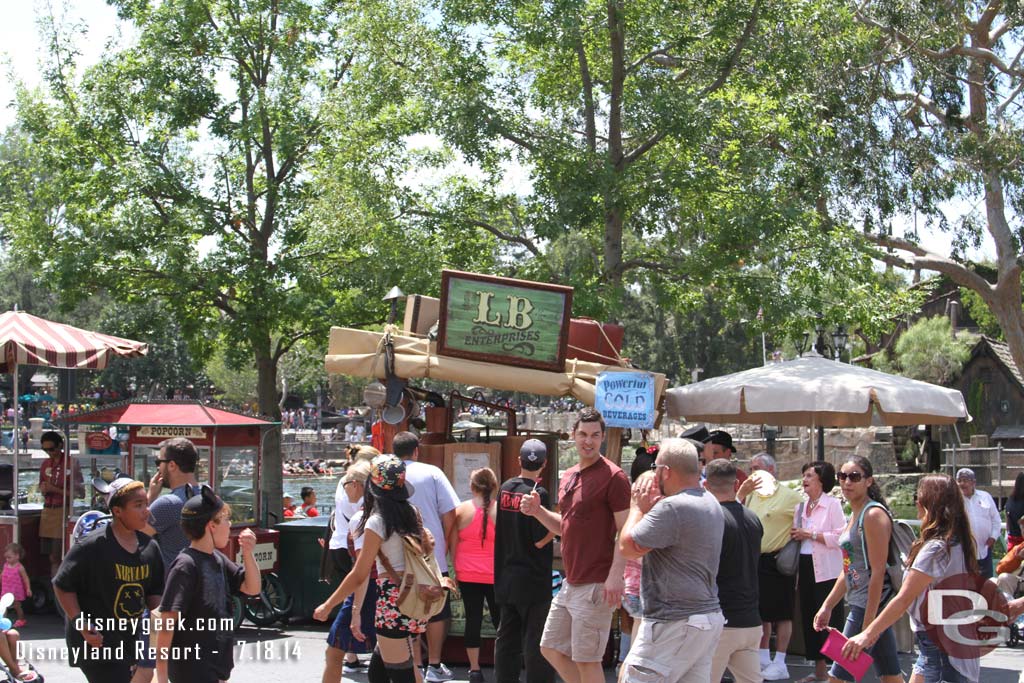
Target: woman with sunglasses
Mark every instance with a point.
(945, 549)
(864, 582)
(818, 523)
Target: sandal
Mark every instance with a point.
(811, 679)
(28, 677)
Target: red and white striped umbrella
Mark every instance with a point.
(28, 340)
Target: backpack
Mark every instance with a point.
(422, 590)
(902, 538)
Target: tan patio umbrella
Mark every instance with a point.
(28, 340)
(815, 392)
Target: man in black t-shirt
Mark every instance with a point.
(106, 582)
(522, 574)
(737, 580)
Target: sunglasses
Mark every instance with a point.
(854, 477)
(53, 449)
(159, 461)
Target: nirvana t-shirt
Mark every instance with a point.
(737, 568)
(112, 586)
(522, 571)
(199, 588)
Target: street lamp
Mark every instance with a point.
(393, 298)
(821, 344)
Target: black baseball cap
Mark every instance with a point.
(533, 454)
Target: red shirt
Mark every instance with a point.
(588, 500)
(52, 471)
(310, 511)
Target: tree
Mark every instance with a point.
(928, 351)
(935, 91)
(179, 167)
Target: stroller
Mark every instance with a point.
(28, 672)
(1012, 585)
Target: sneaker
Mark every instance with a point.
(356, 667)
(438, 674)
(476, 677)
(20, 623)
(776, 672)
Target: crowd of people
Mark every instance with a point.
(705, 562)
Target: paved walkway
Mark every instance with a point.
(297, 655)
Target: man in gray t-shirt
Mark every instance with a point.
(676, 527)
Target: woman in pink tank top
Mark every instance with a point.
(474, 561)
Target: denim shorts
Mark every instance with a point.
(884, 652)
(631, 603)
(933, 664)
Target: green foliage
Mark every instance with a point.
(988, 325)
(928, 352)
(233, 384)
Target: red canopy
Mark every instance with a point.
(165, 414)
(28, 340)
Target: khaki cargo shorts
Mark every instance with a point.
(579, 622)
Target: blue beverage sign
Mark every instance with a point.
(626, 399)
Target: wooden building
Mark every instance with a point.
(993, 387)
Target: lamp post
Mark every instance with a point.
(393, 297)
(833, 351)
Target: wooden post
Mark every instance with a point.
(614, 450)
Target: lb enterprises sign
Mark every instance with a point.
(626, 399)
(501, 320)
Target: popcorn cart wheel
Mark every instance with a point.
(272, 604)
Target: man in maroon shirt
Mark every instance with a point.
(593, 499)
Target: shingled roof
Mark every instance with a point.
(1001, 352)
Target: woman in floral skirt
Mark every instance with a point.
(388, 516)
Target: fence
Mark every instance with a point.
(995, 467)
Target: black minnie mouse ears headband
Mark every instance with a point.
(203, 505)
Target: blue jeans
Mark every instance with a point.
(933, 663)
(884, 652)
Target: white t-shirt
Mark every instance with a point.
(435, 497)
(343, 510)
(353, 530)
(392, 545)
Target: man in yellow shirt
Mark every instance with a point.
(775, 509)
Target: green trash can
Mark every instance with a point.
(299, 554)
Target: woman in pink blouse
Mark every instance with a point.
(817, 524)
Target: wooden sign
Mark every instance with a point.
(169, 432)
(501, 320)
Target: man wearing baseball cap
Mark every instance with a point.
(522, 573)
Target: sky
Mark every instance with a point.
(22, 53)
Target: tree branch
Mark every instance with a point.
(922, 259)
(493, 229)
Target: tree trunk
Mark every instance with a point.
(272, 487)
(613, 217)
